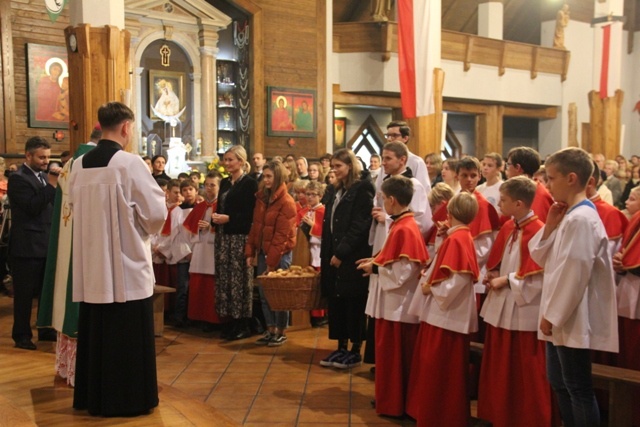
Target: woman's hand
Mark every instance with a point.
(203, 225)
(219, 218)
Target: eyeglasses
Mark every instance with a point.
(392, 135)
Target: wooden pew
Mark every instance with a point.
(620, 382)
(158, 307)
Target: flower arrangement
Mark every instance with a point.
(215, 165)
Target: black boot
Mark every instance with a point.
(228, 329)
(242, 331)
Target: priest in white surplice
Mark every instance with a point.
(116, 206)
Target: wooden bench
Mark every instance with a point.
(158, 307)
(621, 383)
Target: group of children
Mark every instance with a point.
(537, 265)
(183, 252)
(541, 276)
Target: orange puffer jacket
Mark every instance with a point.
(274, 226)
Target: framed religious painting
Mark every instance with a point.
(339, 132)
(291, 112)
(167, 96)
(47, 86)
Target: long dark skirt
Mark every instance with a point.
(234, 280)
(116, 360)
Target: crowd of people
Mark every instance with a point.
(418, 257)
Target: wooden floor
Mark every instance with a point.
(204, 381)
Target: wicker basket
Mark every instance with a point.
(292, 293)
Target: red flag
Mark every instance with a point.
(418, 54)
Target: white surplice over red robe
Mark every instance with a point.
(399, 264)
(202, 293)
(437, 391)
(513, 355)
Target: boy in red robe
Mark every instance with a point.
(437, 393)
(614, 221)
(309, 220)
(202, 292)
(627, 263)
(398, 266)
(513, 355)
(483, 228)
(439, 197)
(526, 161)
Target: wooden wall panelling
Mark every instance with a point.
(30, 24)
(7, 97)
(489, 130)
(595, 120)
(102, 67)
(358, 99)
(323, 110)
(605, 123)
(585, 138)
(292, 32)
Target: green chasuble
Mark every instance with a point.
(57, 309)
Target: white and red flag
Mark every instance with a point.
(608, 54)
(418, 54)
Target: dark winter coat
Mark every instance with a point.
(349, 240)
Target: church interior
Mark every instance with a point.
(203, 75)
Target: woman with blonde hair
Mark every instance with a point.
(345, 240)
(236, 201)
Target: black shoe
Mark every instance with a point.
(209, 327)
(240, 334)
(318, 322)
(180, 324)
(25, 344)
(48, 335)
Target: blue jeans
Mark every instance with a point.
(182, 292)
(569, 373)
(279, 319)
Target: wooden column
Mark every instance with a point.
(605, 123)
(489, 131)
(208, 102)
(7, 87)
(427, 130)
(98, 73)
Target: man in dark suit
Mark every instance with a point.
(31, 194)
(258, 164)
